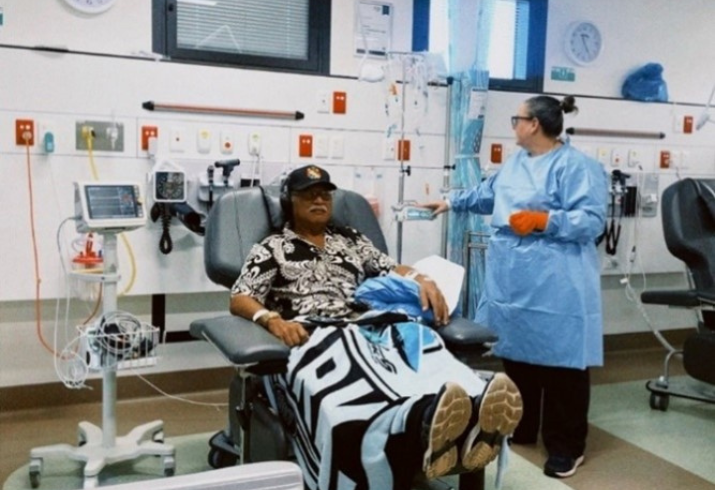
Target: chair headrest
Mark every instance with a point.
(244, 217)
(349, 209)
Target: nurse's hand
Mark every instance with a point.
(431, 297)
(525, 222)
(437, 207)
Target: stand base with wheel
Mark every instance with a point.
(144, 440)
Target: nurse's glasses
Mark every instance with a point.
(515, 120)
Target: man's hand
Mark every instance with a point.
(431, 297)
(291, 333)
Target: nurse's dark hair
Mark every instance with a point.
(550, 112)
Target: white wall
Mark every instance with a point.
(59, 89)
(678, 35)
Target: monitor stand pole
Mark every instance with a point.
(99, 446)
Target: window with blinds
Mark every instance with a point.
(274, 34)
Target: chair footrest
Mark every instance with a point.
(243, 342)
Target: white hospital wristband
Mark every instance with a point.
(259, 314)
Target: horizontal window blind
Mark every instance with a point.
(273, 28)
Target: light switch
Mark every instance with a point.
(337, 146)
(320, 146)
(177, 140)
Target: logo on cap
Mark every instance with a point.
(313, 173)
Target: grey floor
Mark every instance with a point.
(630, 446)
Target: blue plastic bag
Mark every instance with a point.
(646, 84)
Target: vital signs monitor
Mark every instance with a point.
(109, 206)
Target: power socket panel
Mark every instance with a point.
(24, 128)
(107, 135)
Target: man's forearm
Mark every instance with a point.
(246, 307)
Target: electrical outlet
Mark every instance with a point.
(147, 133)
(340, 102)
(403, 150)
(24, 132)
(664, 159)
(305, 145)
(497, 153)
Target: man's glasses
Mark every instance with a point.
(313, 194)
(515, 120)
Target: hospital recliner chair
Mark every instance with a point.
(237, 221)
(688, 216)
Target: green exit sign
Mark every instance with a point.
(563, 73)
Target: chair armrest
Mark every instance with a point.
(463, 333)
(681, 298)
(244, 343)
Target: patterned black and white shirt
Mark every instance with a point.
(290, 275)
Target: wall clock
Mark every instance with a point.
(583, 42)
(91, 6)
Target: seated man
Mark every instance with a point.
(360, 415)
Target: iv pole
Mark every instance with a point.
(403, 170)
(447, 167)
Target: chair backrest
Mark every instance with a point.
(688, 213)
(241, 218)
(688, 210)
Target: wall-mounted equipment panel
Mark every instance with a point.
(106, 135)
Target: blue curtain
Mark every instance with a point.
(470, 23)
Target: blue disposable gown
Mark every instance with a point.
(542, 292)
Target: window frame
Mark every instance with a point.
(165, 41)
(536, 46)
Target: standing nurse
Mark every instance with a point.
(542, 293)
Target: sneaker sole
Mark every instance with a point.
(500, 411)
(450, 420)
(565, 474)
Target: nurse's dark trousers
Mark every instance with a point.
(556, 399)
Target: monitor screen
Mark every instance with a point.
(112, 201)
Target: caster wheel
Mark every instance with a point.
(169, 466)
(659, 402)
(35, 473)
(91, 482)
(221, 459)
(35, 479)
